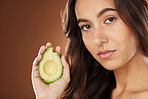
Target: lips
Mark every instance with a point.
(106, 53)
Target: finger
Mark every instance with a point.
(35, 66)
(42, 49)
(37, 59)
(34, 73)
(58, 49)
(37, 82)
(48, 44)
(66, 70)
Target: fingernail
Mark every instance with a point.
(58, 47)
(42, 46)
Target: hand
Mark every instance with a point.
(53, 90)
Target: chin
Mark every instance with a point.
(112, 65)
(111, 68)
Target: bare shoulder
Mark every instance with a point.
(140, 95)
(131, 95)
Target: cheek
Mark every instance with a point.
(124, 41)
(129, 47)
(128, 43)
(126, 49)
(123, 38)
(88, 42)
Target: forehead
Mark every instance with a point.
(90, 7)
(92, 3)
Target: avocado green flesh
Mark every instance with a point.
(50, 66)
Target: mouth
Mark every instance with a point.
(106, 54)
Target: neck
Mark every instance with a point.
(134, 75)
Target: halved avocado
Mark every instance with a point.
(50, 66)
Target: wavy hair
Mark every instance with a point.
(89, 80)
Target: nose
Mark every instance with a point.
(100, 37)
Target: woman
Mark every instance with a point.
(107, 52)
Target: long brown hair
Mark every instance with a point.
(89, 80)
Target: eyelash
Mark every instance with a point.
(83, 26)
(105, 22)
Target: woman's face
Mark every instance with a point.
(104, 34)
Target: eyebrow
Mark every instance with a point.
(99, 14)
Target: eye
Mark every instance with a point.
(109, 20)
(85, 27)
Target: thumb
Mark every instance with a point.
(66, 69)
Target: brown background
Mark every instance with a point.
(25, 25)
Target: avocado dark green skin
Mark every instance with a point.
(46, 81)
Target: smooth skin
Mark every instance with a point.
(104, 30)
(52, 90)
